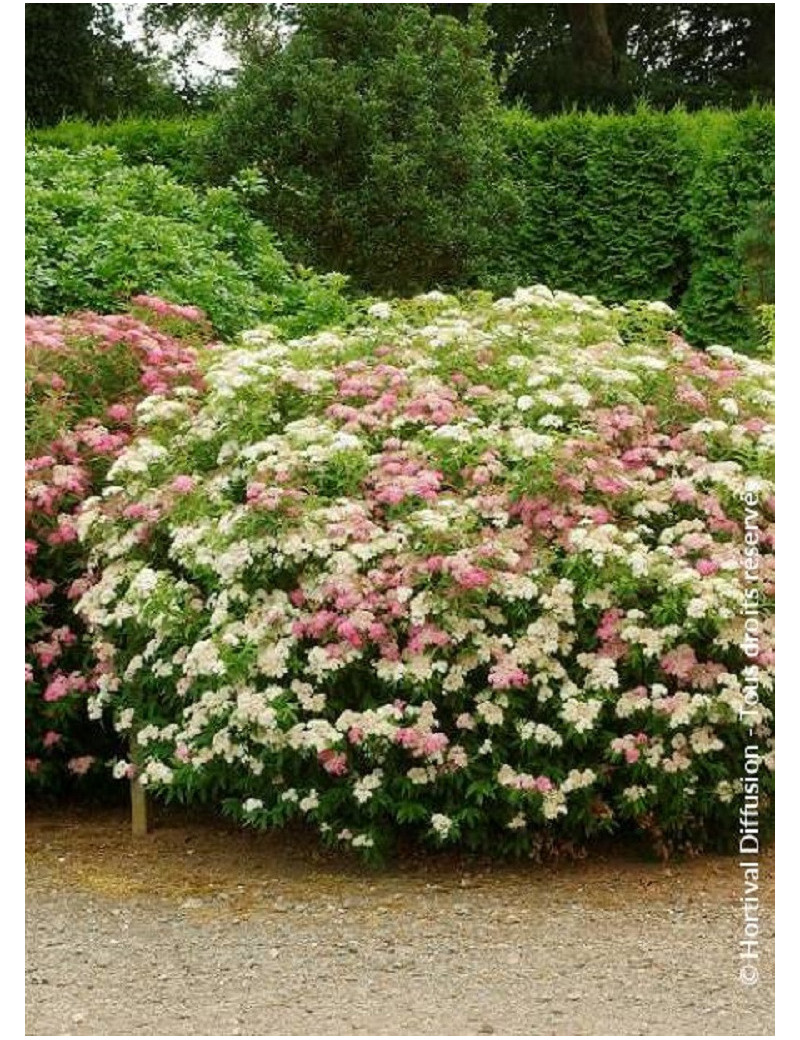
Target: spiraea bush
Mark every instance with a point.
(84, 376)
(470, 573)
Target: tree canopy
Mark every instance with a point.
(593, 55)
(77, 63)
(548, 56)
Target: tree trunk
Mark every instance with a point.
(591, 42)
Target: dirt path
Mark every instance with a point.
(199, 930)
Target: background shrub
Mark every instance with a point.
(375, 134)
(650, 205)
(99, 232)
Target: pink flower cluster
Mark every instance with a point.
(630, 746)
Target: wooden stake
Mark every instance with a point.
(138, 809)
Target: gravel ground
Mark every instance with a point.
(201, 931)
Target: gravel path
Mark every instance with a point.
(242, 937)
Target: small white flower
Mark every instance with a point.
(553, 804)
(491, 713)
(311, 801)
(381, 310)
(124, 720)
(441, 824)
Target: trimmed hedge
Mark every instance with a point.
(650, 205)
(734, 177)
(646, 205)
(603, 201)
(178, 144)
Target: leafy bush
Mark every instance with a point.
(467, 572)
(99, 232)
(84, 376)
(178, 144)
(375, 134)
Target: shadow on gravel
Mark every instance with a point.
(192, 855)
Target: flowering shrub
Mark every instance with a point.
(84, 375)
(469, 571)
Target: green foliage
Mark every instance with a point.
(733, 178)
(766, 320)
(550, 57)
(604, 197)
(375, 133)
(639, 206)
(99, 232)
(756, 248)
(247, 30)
(177, 143)
(53, 85)
(650, 205)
